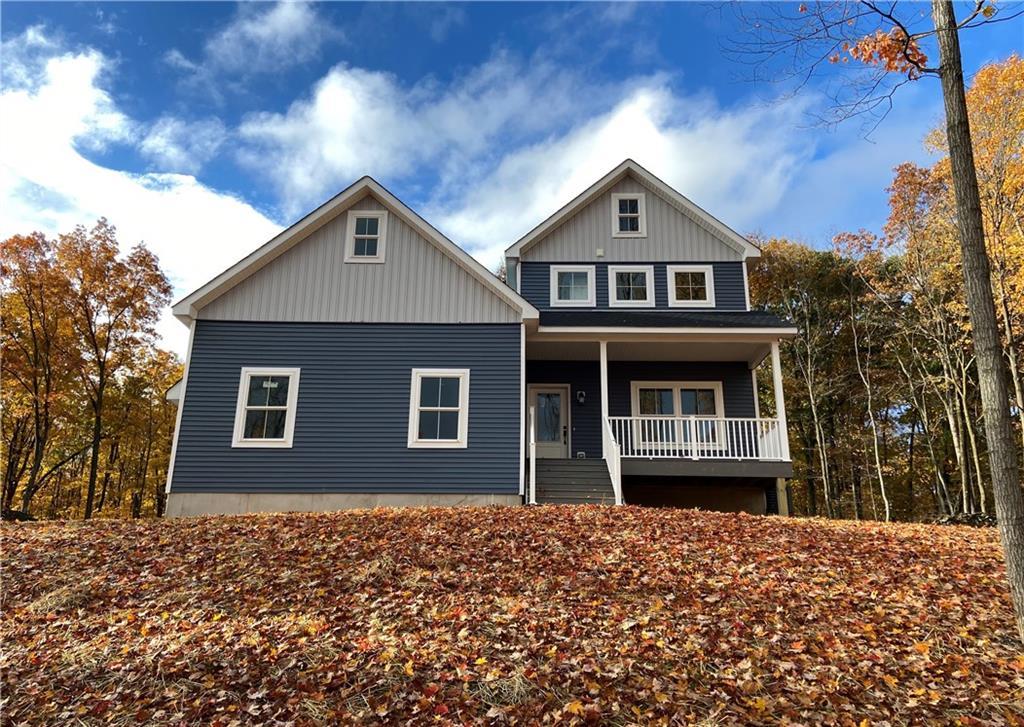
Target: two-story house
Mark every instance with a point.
(361, 358)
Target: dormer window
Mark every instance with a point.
(366, 237)
(629, 215)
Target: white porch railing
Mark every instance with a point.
(694, 437)
(533, 455)
(613, 458)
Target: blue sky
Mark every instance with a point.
(203, 128)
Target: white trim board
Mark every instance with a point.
(726, 234)
(188, 307)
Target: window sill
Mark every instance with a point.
(437, 444)
(262, 444)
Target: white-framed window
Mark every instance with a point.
(572, 285)
(267, 400)
(366, 236)
(671, 400)
(631, 286)
(629, 215)
(691, 286)
(439, 408)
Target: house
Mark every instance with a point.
(361, 358)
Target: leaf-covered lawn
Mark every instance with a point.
(602, 614)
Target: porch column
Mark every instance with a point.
(780, 401)
(604, 391)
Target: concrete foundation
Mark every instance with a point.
(185, 504)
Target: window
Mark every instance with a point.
(669, 400)
(691, 286)
(631, 286)
(572, 285)
(439, 408)
(629, 215)
(365, 238)
(267, 400)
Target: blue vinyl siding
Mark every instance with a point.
(737, 389)
(535, 284)
(352, 420)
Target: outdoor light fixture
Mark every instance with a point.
(581, 397)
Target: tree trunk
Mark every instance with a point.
(94, 456)
(1003, 458)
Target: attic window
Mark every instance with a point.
(365, 238)
(629, 215)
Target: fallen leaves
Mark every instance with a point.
(509, 615)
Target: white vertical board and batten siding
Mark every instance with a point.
(671, 234)
(311, 282)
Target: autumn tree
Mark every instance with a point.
(882, 38)
(112, 303)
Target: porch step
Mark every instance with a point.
(574, 481)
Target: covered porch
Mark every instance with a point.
(673, 407)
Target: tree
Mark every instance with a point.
(112, 303)
(876, 36)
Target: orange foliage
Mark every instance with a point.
(892, 51)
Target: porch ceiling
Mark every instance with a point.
(753, 352)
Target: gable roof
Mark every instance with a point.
(629, 167)
(187, 308)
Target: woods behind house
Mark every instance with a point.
(882, 394)
(881, 384)
(86, 427)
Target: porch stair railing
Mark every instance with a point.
(697, 438)
(613, 458)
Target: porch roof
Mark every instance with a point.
(662, 319)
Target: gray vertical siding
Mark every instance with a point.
(671, 234)
(353, 409)
(737, 389)
(535, 284)
(417, 283)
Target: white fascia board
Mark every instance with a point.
(634, 330)
(187, 308)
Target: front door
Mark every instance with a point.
(551, 406)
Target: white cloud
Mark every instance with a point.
(359, 122)
(259, 39)
(47, 184)
(176, 145)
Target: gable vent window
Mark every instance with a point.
(691, 286)
(631, 286)
(366, 237)
(629, 215)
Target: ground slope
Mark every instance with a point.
(602, 614)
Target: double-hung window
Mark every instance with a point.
(666, 408)
(267, 400)
(365, 237)
(572, 285)
(631, 286)
(691, 286)
(629, 215)
(439, 408)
